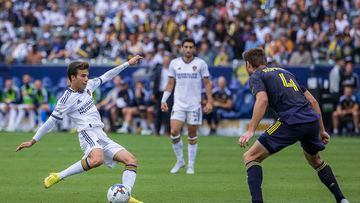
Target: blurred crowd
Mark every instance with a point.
(292, 32)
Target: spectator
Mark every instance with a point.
(159, 79)
(11, 97)
(349, 78)
(206, 54)
(34, 56)
(222, 102)
(301, 57)
(348, 106)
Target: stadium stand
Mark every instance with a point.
(51, 33)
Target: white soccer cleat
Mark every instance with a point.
(190, 170)
(344, 201)
(178, 165)
(122, 130)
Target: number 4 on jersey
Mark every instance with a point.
(290, 84)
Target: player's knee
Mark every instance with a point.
(97, 160)
(192, 140)
(247, 157)
(175, 132)
(314, 160)
(175, 138)
(130, 160)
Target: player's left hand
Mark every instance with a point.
(134, 60)
(208, 107)
(325, 137)
(244, 139)
(26, 144)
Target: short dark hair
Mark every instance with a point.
(256, 57)
(191, 40)
(73, 67)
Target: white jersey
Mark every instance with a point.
(80, 107)
(188, 77)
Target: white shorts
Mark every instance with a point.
(96, 138)
(190, 117)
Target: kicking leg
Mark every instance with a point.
(177, 144)
(252, 159)
(326, 175)
(94, 159)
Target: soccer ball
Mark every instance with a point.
(118, 193)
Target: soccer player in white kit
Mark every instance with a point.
(77, 103)
(188, 72)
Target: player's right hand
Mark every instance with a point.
(244, 139)
(26, 144)
(325, 137)
(164, 107)
(134, 60)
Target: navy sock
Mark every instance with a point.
(254, 172)
(327, 177)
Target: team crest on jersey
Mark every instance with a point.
(79, 101)
(88, 91)
(194, 68)
(179, 68)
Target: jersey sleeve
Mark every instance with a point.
(172, 72)
(204, 71)
(93, 84)
(256, 83)
(63, 106)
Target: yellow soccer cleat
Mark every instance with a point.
(51, 180)
(133, 200)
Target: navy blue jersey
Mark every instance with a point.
(347, 103)
(285, 94)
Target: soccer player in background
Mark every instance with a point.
(78, 104)
(186, 74)
(299, 120)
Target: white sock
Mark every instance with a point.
(75, 169)
(12, 119)
(129, 176)
(32, 119)
(2, 120)
(192, 149)
(125, 125)
(19, 118)
(178, 150)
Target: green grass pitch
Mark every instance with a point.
(219, 175)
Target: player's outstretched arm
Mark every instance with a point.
(325, 137)
(260, 106)
(46, 127)
(115, 71)
(169, 88)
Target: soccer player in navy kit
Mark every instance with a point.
(299, 119)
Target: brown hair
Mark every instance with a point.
(256, 57)
(73, 67)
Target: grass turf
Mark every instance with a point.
(219, 174)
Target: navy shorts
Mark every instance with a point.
(281, 135)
